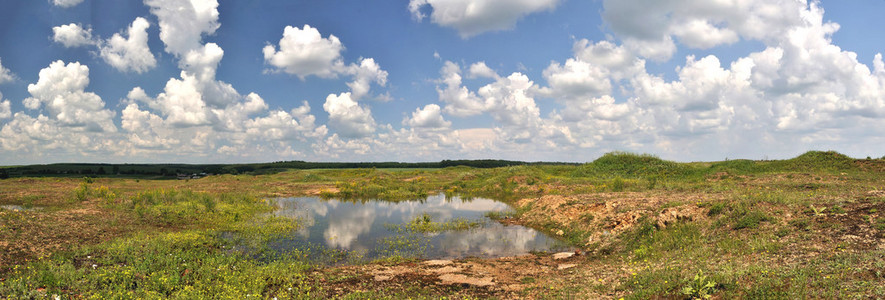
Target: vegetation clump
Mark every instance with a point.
(424, 223)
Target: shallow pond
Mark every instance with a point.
(377, 229)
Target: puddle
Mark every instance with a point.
(373, 229)
(17, 208)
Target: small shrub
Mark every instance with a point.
(82, 192)
(618, 184)
(106, 195)
(716, 209)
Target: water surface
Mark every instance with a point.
(368, 229)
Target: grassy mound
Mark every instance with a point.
(630, 165)
(815, 160)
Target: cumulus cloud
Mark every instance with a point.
(649, 28)
(130, 54)
(473, 17)
(347, 117)
(196, 114)
(72, 35)
(577, 79)
(304, 52)
(61, 89)
(459, 100)
(5, 110)
(428, 117)
(5, 74)
(508, 100)
(364, 75)
(66, 3)
(481, 70)
(183, 22)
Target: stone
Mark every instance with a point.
(438, 262)
(563, 255)
(462, 279)
(566, 266)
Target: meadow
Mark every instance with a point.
(807, 227)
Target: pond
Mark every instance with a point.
(433, 228)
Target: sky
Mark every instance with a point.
(235, 81)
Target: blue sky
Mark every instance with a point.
(423, 80)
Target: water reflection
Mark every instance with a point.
(359, 227)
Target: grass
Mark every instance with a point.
(424, 224)
(750, 229)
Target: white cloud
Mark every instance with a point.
(183, 22)
(24, 133)
(304, 52)
(509, 102)
(577, 79)
(66, 3)
(347, 117)
(61, 89)
(5, 74)
(459, 100)
(649, 28)
(473, 17)
(182, 102)
(280, 125)
(428, 117)
(5, 111)
(364, 75)
(481, 70)
(132, 54)
(72, 35)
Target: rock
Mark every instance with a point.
(382, 277)
(438, 262)
(566, 266)
(563, 255)
(446, 270)
(462, 279)
(560, 232)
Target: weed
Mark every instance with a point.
(818, 212)
(82, 192)
(699, 287)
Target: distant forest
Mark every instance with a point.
(172, 170)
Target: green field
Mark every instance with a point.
(808, 227)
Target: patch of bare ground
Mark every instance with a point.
(857, 225)
(603, 216)
(523, 277)
(31, 234)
